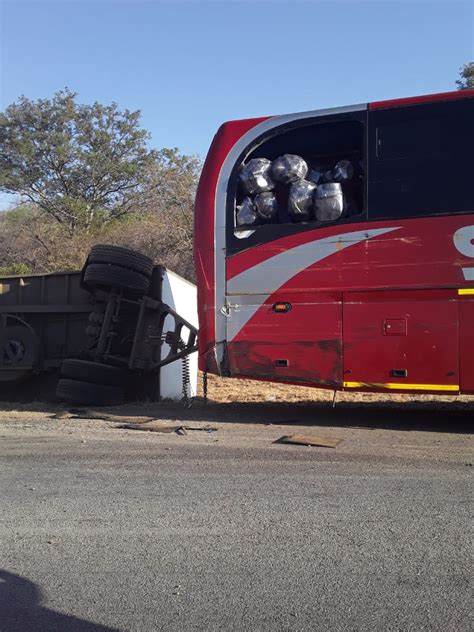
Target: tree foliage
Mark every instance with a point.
(82, 165)
(165, 219)
(466, 77)
(84, 175)
(161, 225)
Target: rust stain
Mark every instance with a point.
(330, 345)
(249, 358)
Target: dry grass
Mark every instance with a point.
(229, 390)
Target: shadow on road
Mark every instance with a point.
(21, 610)
(404, 416)
(429, 415)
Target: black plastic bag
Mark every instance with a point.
(256, 176)
(289, 168)
(246, 213)
(301, 200)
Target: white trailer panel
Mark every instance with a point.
(181, 296)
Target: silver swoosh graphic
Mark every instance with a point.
(221, 197)
(266, 277)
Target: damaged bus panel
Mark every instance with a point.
(360, 220)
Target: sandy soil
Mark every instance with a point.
(250, 413)
(243, 392)
(226, 390)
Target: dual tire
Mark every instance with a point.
(85, 382)
(108, 268)
(115, 268)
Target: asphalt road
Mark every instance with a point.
(102, 529)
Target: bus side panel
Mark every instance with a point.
(401, 340)
(466, 339)
(302, 344)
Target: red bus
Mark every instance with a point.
(379, 298)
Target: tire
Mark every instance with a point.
(21, 344)
(77, 392)
(102, 275)
(93, 372)
(19, 353)
(122, 257)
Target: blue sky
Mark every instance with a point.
(188, 66)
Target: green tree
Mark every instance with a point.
(160, 226)
(82, 165)
(466, 77)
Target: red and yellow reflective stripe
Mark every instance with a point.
(403, 387)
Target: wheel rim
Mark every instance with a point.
(18, 349)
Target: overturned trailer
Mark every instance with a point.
(113, 330)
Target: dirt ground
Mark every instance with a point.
(247, 413)
(242, 392)
(226, 390)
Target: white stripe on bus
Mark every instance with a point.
(267, 277)
(221, 198)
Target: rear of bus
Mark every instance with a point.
(380, 297)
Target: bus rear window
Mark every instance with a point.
(420, 160)
(308, 174)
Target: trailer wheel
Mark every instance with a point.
(121, 257)
(106, 276)
(93, 372)
(78, 392)
(19, 351)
